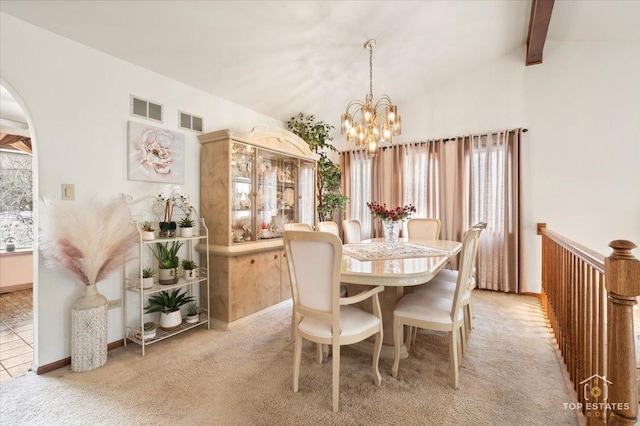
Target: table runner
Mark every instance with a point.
(378, 251)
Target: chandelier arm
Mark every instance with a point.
(383, 100)
(355, 102)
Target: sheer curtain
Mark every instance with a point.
(357, 184)
(424, 178)
(495, 199)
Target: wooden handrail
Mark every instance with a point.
(593, 323)
(594, 259)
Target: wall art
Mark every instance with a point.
(155, 155)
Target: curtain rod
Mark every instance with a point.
(485, 134)
(443, 140)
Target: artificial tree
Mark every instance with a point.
(317, 135)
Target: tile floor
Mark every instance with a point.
(16, 333)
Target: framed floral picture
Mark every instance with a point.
(155, 155)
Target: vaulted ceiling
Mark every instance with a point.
(283, 57)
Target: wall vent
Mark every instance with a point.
(190, 121)
(146, 109)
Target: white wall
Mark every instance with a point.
(78, 102)
(581, 156)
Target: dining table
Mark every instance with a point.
(411, 263)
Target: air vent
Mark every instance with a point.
(190, 122)
(146, 109)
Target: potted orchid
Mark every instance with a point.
(171, 196)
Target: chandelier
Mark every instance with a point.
(370, 123)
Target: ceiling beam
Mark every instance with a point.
(538, 27)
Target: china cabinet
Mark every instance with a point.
(136, 291)
(251, 185)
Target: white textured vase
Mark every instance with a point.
(170, 320)
(391, 230)
(89, 331)
(168, 276)
(186, 231)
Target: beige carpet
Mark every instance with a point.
(509, 376)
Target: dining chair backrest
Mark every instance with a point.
(467, 260)
(351, 229)
(297, 227)
(329, 227)
(314, 260)
(423, 228)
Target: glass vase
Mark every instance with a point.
(391, 230)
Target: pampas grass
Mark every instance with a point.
(88, 239)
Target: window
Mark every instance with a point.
(16, 199)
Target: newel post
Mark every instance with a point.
(622, 274)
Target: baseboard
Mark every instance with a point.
(15, 287)
(67, 361)
(249, 318)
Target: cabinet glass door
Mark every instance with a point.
(275, 199)
(306, 192)
(242, 165)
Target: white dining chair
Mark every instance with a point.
(298, 226)
(329, 226)
(444, 284)
(423, 229)
(438, 313)
(351, 230)
(322, 316)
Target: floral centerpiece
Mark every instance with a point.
(391, 220)
(172, 195)
(399, 213)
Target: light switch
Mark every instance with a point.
(68, 191)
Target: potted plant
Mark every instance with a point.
(147, 277)
(149, 330)
(189, 267)
(148, 231)
(186, 226)
(317, 135)
(168, 262)
(168, 304)
(193, 313)
(171, 196)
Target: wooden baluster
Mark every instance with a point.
(622, 270)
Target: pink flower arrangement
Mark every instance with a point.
(399, 213)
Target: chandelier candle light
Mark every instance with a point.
(391, 220)
(365, 123)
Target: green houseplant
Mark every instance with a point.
(193, 313)
(168, 304)
(317, 135)
(168, 262)
(147, 277)
(149, 330)
(147, 231)
(186, 226)
(189, 267)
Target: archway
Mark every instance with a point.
(19, 299)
